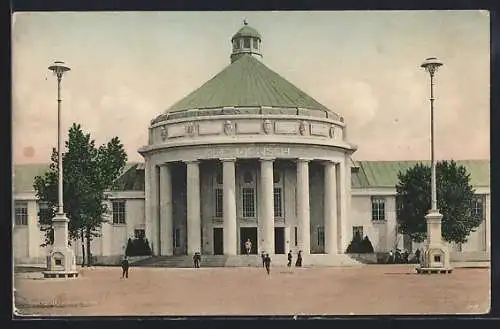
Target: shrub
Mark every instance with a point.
(138, 247)
(359, 245)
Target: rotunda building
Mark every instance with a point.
(247, 156)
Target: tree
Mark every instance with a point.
(455, 201)
(88, 173)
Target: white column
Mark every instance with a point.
(344, 192)
(330, 208)
(229, 207)
(266, 205)
(487, 224)
(303, 214)
(166, 217)
(152, 205)
(193, 208)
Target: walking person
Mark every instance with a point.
(289, 264)
(267, 263)
(263, 256)
(125, 266)
(298, 263)
(196, 260)
(417, 256)
(248, 246)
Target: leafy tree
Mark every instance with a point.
(88, 173)
(455, 198)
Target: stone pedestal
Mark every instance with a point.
(61, 262)
(436, 258)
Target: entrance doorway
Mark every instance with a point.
(248, 233)
(218, 241)
(279, 240)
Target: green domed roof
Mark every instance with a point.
(247, 82)
(247, 31)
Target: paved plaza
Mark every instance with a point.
(374, 289)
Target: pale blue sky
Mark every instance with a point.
(129, 67)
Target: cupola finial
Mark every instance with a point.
(245, 21)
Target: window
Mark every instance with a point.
(278, 194)
(177, 238)
(296, 237)
(248, 202)
(139, 233)
(256, 43)
(477, 207)
(219, 193)
(357, 230)
(378, 209)
(235, 44)
(278, 204)
(246, 43)
(118, 211)
(321, 235)
(21, 213)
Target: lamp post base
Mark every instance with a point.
(436, 258)
(61, 261)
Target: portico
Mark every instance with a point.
(269, 194)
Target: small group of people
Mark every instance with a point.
(298, 262)
(266, 260)
(398, 257)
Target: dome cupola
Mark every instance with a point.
(246, 41)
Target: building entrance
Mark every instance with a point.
(218, 241)
(279, 240)
(248, 233)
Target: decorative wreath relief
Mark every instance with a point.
(228, 127)
(332, 131)
(302, 128)
(268, 126)
(190, 129)
(163, 132)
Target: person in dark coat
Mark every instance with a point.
(197, 259)
(289, 264)
(417, 256)
(263, 256)
(298, 263)
(267, 263)
(125, 266)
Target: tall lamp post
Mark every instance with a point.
(436, 257)
(61, 260)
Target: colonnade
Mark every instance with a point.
(159, 207)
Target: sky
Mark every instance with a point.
(128, 67)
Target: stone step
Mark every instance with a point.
(314, 260)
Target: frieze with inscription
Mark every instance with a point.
(248, 152)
